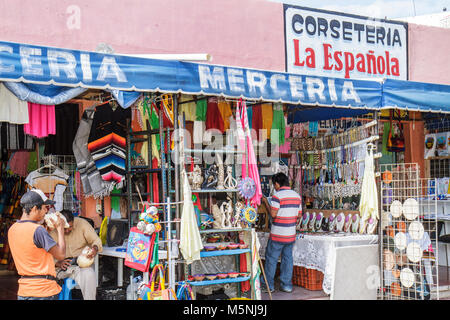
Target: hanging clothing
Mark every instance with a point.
(201, 108)
(93, 184)
(257, 120)
(286, 147)
(42, 120)
(267, 118)
(278, 125)
(199, 129)
(12, 109)
(368, 204)
(190, 239)
(18, 163)
(13, 137)
(225, 112)
(213, 117)
(189, 109)
(107, 142)
(67, 121)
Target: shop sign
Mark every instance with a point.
(333, 44)
(63, 67)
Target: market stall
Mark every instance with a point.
(169, 181)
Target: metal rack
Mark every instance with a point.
(180, 165)
(67, 164)
(408, 230)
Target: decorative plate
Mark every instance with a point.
(400, 240)
(414, 252)
(247, 188)
(410, 209)
(396, 208)
(416, 230)
(407, 277)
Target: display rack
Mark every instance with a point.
(408, 259)
(181, 154)
(66, 163)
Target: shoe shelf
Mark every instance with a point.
(218, 281)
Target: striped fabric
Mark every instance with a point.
(109, 154)
(289, 206)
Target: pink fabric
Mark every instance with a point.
(242, 123)
(42, 120)
(286, 147)
(18, 163)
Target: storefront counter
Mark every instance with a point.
(318, 251)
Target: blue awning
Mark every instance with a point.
(416, 96)
(125, 76)
(71, 68)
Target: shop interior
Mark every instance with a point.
(326, 153)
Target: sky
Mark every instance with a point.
(390, 9)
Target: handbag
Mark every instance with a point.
(396, 143)
(148, 292)
(139, 250)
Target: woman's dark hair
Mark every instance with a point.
(281, 179)
(68, 215)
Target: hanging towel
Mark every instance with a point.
(12, 109)
(368, 205)
(278, 125)
(190, 240)
(257, 122)
(267, 118)
(42, 120)
(225, 111)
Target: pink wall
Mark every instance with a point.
(429, 49)
(247, 33)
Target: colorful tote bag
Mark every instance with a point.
(149, 292)
(139, 250)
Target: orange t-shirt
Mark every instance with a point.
(31, 260)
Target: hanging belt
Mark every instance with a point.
(48, 277)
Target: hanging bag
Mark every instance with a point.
(149, 292)
(139, 250)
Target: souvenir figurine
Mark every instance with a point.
(230, 182)
(237, 214)
(197, 178)
(210, 177)
(221, 174)
(218, 217)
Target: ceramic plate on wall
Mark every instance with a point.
(407, 277)
(416, 230)
(396, 208)
(410, 209)
(400, 240)
(414, 252)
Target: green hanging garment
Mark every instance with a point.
(278, 123)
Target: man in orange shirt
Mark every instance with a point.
(34, 250)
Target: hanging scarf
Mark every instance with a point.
(243, 132)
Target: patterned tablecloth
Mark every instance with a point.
(317, 251)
